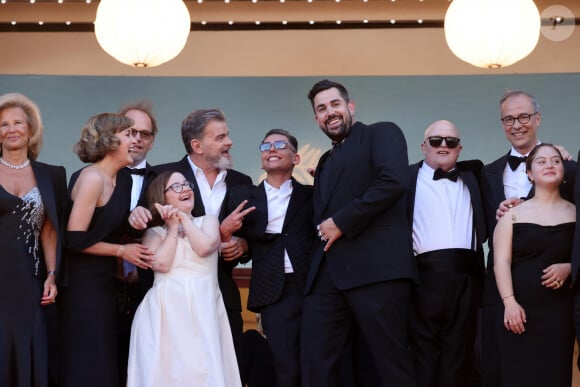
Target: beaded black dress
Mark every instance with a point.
(23, 336)
(88, 303)
(542, 355)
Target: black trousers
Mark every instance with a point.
(443, 321)
(281, 324)
(380, 310)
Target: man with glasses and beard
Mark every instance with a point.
(362, 269)
(448, 229)
(208, 164)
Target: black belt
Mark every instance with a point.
(451, 261)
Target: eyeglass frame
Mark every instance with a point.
(145, 134)
(437, 141)
(518, 118)
(181, 186)
(278, 144)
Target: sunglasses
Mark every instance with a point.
(145, 134)
(280, 144)
(178, 187)
(436, 141)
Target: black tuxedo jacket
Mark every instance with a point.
(267, 250)
(468, 172)
(492, 191)
(363, 190)
(230, 292)
(51, 182)
(145, 275)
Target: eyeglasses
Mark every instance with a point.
(178, 187)
(145, 134)
(436, 141)
(523, 118)
(280, 144)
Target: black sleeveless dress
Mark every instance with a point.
(87, 303)
(542, 355)
(23, 335)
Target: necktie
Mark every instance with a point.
(514, 161)
(440, 174)
(136, 171)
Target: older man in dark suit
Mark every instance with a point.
(362, 266)
(448, 228)
(280, 233)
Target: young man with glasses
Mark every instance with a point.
(132, 282)
(505, 183)
(280, 234)
(448, 230)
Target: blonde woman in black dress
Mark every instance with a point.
(32, 202)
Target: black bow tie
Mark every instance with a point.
(451, 175)
(514, 161)
(136, 171)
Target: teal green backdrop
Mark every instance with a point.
(254, 105)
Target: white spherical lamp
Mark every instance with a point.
(142, 33)
(492, 33)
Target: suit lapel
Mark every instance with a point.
(478, 218)
(412, 190)
(296, 202)
(260, 200)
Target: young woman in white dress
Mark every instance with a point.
(180, 335)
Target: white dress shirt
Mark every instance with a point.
(278, 200)
(442, 215)
(516, 183)
(138, 181)
(212, 197)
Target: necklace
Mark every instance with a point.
(12, 166)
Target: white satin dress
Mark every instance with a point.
(180, 334)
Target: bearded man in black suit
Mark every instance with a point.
(362, 267)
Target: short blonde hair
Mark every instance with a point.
(98, 136)
(33, 119)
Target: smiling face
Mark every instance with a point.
(14, 130)
(441, 156)
(333, 114)
(546, 166)
(143, 126)
(125, 147)
(215, 145)
(183, 200)
(279, 160)
(523, 137)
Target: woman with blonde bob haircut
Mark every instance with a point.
(32, 205)
(99, 203)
